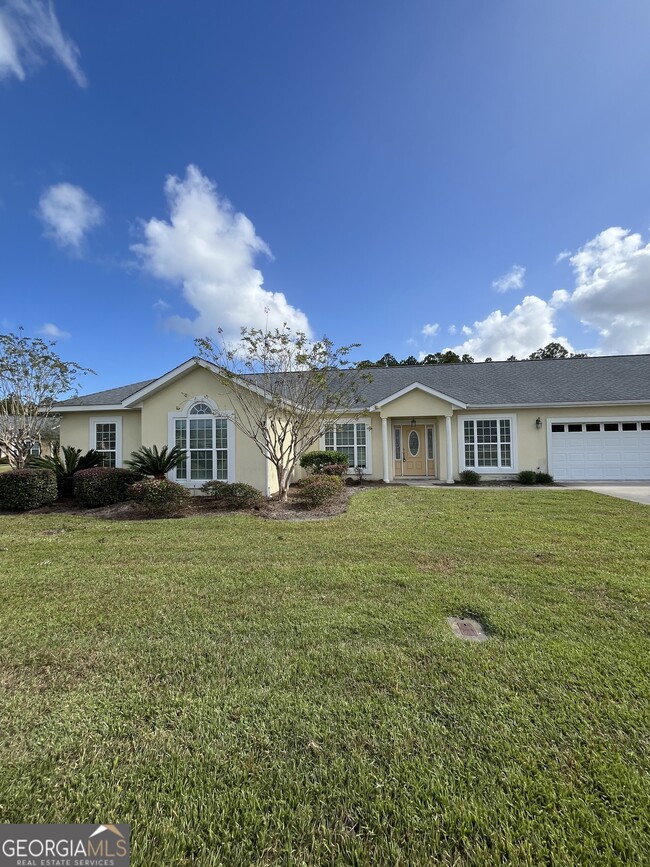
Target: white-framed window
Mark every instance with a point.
(487, 443)
(106, 438)
(35, 449)
(353, 439)
(208, 439)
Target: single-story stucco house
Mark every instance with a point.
(579, 419)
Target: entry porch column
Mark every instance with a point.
(450, 471)
(384, 448)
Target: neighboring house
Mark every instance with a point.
(579, 419)
(48, 437)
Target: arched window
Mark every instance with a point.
(201, 409)
(204, 438)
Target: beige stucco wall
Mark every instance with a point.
(76, 431)
(373, 438)
(531, 443)
(149, 425)
(416, 403)
(250, 465)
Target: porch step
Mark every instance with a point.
(419, 481)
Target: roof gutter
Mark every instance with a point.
(111, 407)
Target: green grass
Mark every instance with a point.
(253, 692)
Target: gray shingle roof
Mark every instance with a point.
(110, 397)
(502, 383)
(552, 382)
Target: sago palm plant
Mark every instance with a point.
(154, 462)
(66, 465)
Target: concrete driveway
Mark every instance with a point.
(637, 492)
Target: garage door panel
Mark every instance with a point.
(600, 455)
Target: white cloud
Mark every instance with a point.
(611, 296)
(563, 255)
(514, 279)
(559, 298)
(527, 327)
(209, 249)
(53, 331)
(612, 291)
(431, 329)
(452, 329)
(68, 214)
(29, 32)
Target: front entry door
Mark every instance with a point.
(414, 451)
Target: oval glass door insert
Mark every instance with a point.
(414, 443)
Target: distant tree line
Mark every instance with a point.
(551, 350)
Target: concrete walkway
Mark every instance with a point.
(637, 492)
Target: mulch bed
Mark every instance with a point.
(292, 510)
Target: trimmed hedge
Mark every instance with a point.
(318, 489)
(160, 496)
(334, 470)
(103, 486)
(543, 478)
(21, 490)
(236, 495)
(469, 477)
(527, 477)
(314, 462)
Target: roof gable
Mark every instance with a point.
(177, 372)
(418, 386)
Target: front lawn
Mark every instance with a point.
(244, 691)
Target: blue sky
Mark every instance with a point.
(410, 176)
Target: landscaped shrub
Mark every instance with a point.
(527, 477)
(160, 496)
(543, 478)
(27, 489)
(314, 462)
(153, 462)
(469, 477)
(234, 495)
(318, 489)
(103, 486)
(335, 470)
(66, 466)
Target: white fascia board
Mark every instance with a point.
(166, 378)
(560, 405)
(162, 380)
(89, 408)
(418, 385)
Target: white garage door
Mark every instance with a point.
(597, 450)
